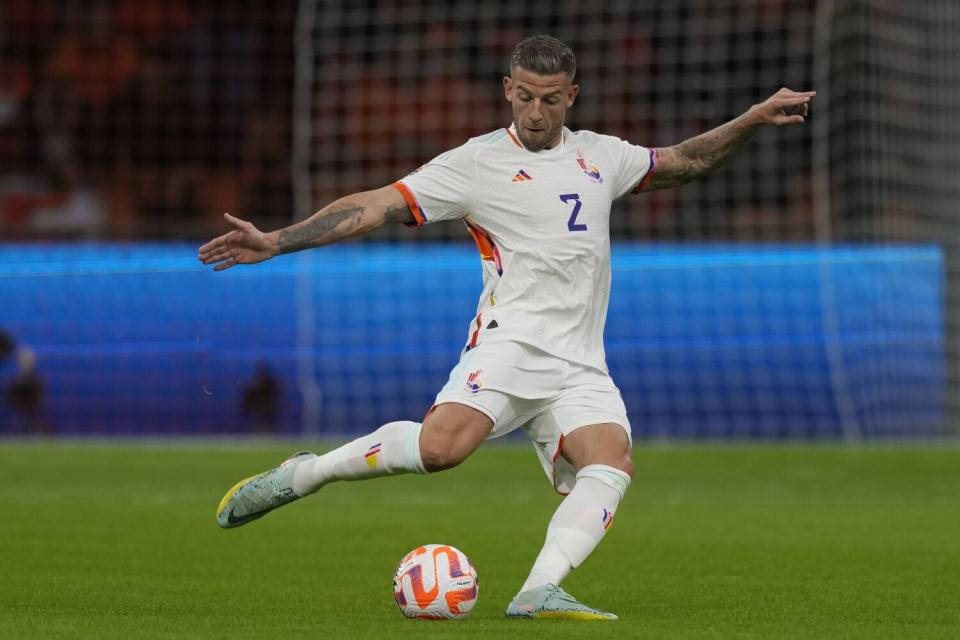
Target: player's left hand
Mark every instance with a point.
(784, 107)
(244, 245)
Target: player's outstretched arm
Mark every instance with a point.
(345, 218)
(699, 156)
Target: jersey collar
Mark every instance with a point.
(512, 131)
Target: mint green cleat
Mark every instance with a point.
(254, 497)
(550, 601)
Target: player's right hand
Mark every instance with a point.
(244, 245)
(784, 107)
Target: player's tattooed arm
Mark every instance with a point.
(399, 212)
(699, 156)
(703, 154)
(330, 224)
(347, 217)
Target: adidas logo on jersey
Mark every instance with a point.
(522, 176)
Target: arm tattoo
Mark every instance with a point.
(702, 154)
(398, 213)
(322, 228)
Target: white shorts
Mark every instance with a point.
(521, 387)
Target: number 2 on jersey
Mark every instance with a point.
(572, 223)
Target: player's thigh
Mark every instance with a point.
(492, 391)
(450, 433)
(585, 424)
(594, 420)
(605, 443)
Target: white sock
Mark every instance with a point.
(578, 524)
(392, 449)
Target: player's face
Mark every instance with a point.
(539, 104)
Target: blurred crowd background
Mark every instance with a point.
(141, 120)
(123, 120)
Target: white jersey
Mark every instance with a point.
(541, 221)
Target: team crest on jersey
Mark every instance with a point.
(589, 168)
(475, 381)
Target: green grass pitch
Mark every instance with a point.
(774, 541)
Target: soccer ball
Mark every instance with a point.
(435, 581)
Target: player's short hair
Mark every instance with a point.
(544, 55)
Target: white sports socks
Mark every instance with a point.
(575, 530)
(578, 524)
(392, 449)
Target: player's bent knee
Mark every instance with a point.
(619, 460)
(450, 434)
(444, 449)
(625, 464)
(439, 454)
(622, 458)
(604, 444)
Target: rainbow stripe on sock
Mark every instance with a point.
(370, 457)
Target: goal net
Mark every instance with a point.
(808, 288)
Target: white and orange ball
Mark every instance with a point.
(435, 581)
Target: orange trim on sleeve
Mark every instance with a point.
(411, 201)
(650, 171)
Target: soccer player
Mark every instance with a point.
(536, 198)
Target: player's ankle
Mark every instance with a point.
(305, 480)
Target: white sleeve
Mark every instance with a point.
(635, 167)
(442, 189)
